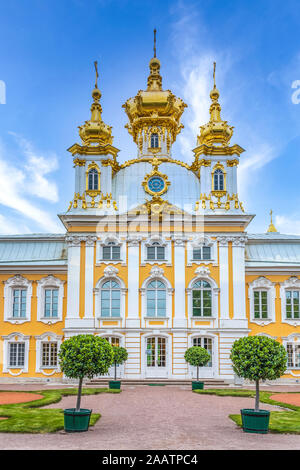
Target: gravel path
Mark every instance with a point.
(169, 418)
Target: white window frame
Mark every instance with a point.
(199, 242)
(16, 282)
(293, 283)
(215, 349)
(294, 339)
(148, 243)
(203, 274)
(48, 337)
(102, 243)
(110, 274)
(15, 338)
(49, 282)
(157, 273)
(262, 284)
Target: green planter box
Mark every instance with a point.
(77, 421)
(255, 421)
(197, 385)
(116, 384)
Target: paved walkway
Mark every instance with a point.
(145, 417)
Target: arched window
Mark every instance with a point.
(156, 299)
(93, 180)
(154, 141)
(218, 180)
(206, 343)
(110, 299)
(202, 299)
(155, 252)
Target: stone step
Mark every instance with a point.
(104, 381)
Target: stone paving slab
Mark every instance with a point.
(167, 418)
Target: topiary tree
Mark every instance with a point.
(120, 356)
(197, 356)
(85, 356)
(258, 358)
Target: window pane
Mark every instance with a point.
(106, 252)
(206, 252)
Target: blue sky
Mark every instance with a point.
(46, 63)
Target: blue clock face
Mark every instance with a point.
(156, 184)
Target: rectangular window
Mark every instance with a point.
(293, 352)
(292, 304)
(19, 303)
(203, 253)
(16, 354)
(111, 252)
(156, 253)
(260, 304)
(49, 354)
(51, 303)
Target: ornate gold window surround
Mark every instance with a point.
(218, 193)
(92, 192)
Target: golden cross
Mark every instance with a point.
(97, 75)
(154, 47)
(214, 74)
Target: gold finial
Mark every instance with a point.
(271, 226)
(154, 46)
(97, 75)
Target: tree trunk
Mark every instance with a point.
(115, 371)
(257, 395)
(79, 394)
(197, 373)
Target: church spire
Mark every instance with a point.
(271, 227)
(154, 80)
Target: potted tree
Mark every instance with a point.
(198, 357)
(79, 357)
(120, 356)
(257, 358)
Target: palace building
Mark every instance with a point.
(156, 255)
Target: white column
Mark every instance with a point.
(89, 276)
(238, 264)
(73, 285)
(224, 281)
(133, 268)
(179, 283)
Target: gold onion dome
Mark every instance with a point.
(154, 106)
(95, 131)
(215, 131)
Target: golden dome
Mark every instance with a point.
(154, 106)
(215, 131)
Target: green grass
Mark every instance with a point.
(280, 421)
(30, 418)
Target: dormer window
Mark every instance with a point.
(202, 253)
(111, 251)
(154, 141)
(155, 252)
(93, 180)
(219, 180)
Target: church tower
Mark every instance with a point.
(154, 115)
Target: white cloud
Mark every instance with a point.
(288, 224)
(20, 181)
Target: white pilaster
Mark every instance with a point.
(133, 320)
(89, 276)
(224, 281)
(179, 283)
(73, 285)
(238, 264)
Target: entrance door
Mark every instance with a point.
(156, 357)
(207, 371)
(114, 341)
